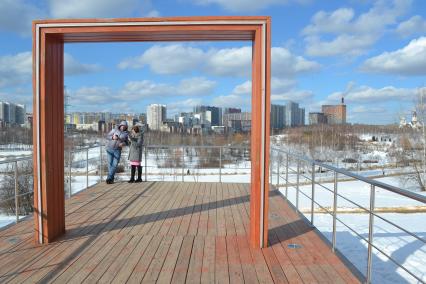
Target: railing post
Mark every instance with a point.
(16, 193)
(297, 184)
(70, 173)
(220, 164)
(334, 212)
(278, 171)
(87, 168)
(371, 232)
(313, 193)
(146, 174)
(286, 178)
(183, 163)
(101, 166)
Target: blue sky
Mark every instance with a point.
(372, 52)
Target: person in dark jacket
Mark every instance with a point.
(135, 152)
(117, 139)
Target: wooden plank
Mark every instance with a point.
(204, 214)
(196, 210)
(102, 267)
(185, 219)
(196, 261)
(181, 268)
(208, 262)
(247, 264)
(285, 262)
(234, 262)
(221, 260)
(169, 265)
(229, 218)
(220, 212)
(58, 248)
(212, 221)
(144, 262)
(179, 197)
(159, 259)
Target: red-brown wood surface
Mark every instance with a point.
(132, 241)
(53, 34)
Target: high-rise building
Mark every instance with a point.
(294, 116)
(216, 113)
(336, 114)
(155, 115)
(277, 116)
(237, 121)
(317, 118)
(11, 113)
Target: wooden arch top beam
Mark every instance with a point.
(49, 37)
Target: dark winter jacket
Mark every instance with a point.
(123, 137)
(136, 145)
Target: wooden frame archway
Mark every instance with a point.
(49, 37)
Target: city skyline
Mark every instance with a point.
(371, 52)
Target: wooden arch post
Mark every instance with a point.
(49, 37)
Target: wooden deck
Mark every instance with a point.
(169, 232)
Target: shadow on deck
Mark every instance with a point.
(170, 232)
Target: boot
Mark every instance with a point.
(139, 174)
(132, 177)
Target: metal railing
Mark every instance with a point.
(292, 164)
(186, 163)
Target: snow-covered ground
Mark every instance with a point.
(405, 249)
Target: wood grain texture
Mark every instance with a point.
(132, 241)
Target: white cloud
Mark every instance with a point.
(183, 106)
(361, 109)
(178, 58)
(17, 15)
(293, 95)
(197, 86)
(340, 32)
(232, 100)
(15, 69)
(91, 95)
(247, 5)
(414, 25)
(363, 94)
(284, 63)
(408, 61)
(278, 85)
(167, 59)
(92, 8)
(74, 67)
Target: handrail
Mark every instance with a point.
(394, 189)
(369, 209)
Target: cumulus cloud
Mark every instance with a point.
(293, 95)
(91, 95)
(183, 106)
(364, 94)
(232, 100)
(414, 25)
(166, 59)
(15, 69)
(247, 5)
(178, 58)
(17, 15)
(197, 86)
(74, 67)
(407, 61)
(93, 8)
(341, 32)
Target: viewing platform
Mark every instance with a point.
(170, 232)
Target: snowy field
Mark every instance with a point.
(405, 249)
